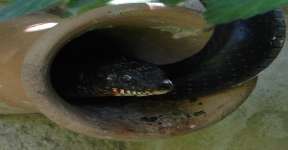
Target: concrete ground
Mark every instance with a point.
(261, 123)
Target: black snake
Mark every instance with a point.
(237, 52)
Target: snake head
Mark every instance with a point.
(133, 78)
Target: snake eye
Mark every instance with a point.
(126, 77)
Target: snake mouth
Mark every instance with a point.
(123, 92)
(165, 87)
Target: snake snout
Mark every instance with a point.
(166, 85)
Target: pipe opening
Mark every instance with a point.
(100, 46)
(152, 36)
(115, 114)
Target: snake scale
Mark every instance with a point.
(237, 52)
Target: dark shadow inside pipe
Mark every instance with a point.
(91, 50)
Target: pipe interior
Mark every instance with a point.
(94, 48)
(115, 113)
(157, 42)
